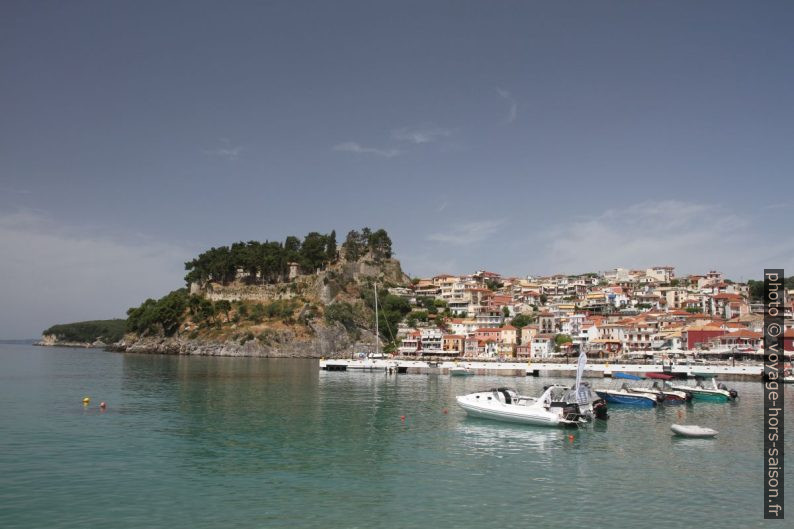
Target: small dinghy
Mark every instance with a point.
(691, 430)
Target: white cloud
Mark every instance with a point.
(52, 273)
(693, 237)
(225, 150)
(421, 135)
(357, 148)
(468, 232)
(512, 112)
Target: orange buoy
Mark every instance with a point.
(445, 411)
(402, 418)
(102, 405)
(570, 438)
(86, 401)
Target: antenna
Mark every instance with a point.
(377, 342)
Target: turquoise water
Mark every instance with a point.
(238, 442)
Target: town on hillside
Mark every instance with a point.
(619, 314)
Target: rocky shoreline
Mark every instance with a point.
(49, 340)
(326, 342)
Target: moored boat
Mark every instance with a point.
(703, 391)
(626, 394)
(668, 395)
(691, 430)
(627, 397)
(460, 371)
(505, 404)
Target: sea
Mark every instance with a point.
(212, 442)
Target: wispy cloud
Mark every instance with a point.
(694, 237)
(357, 148)
(512, 113)
(468, 232)
(420, 135)
(15, 190)
(58, 273)
(225, 150)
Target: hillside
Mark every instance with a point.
(251, 299)
(84, 333)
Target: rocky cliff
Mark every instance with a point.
(289, 319)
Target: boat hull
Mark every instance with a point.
(629, 400)
(710, 397)
(707, 395)
(512, 414)
(669, 399)
(685, 430)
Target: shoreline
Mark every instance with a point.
(74, 345)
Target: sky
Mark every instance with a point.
(518, 137)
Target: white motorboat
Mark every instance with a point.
(704, 391)
(460, 371)
(503, 404)
(691, 430)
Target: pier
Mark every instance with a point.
(542, 369)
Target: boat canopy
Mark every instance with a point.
(705, 375)
(626, 375)
(660, 376)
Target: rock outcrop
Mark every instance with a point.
(326, 342)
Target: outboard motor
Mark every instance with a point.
(688, 397)
(733, 393)
(600, 409)
(660, 398)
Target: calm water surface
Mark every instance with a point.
(238, 442)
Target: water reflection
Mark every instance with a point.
(495, 437)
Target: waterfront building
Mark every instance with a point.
(453, 344)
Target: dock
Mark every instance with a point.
(542, 369)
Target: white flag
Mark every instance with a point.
(581, 392)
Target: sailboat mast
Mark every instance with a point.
(376, 320)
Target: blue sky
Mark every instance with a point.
(522, 137)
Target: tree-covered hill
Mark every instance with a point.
(108, 331)
(268, 262)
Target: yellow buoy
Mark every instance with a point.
(86, 401)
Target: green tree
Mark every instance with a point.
(493, 284)
(560, 339)
(330, 247)
(292, 249)
(224, 306)
(353, 247)
(521, 321)
(756, 290)
(313, 252)
(258, 313)
(380, 244)
(162, 315)
(342, 313)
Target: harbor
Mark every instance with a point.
(744, 372)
